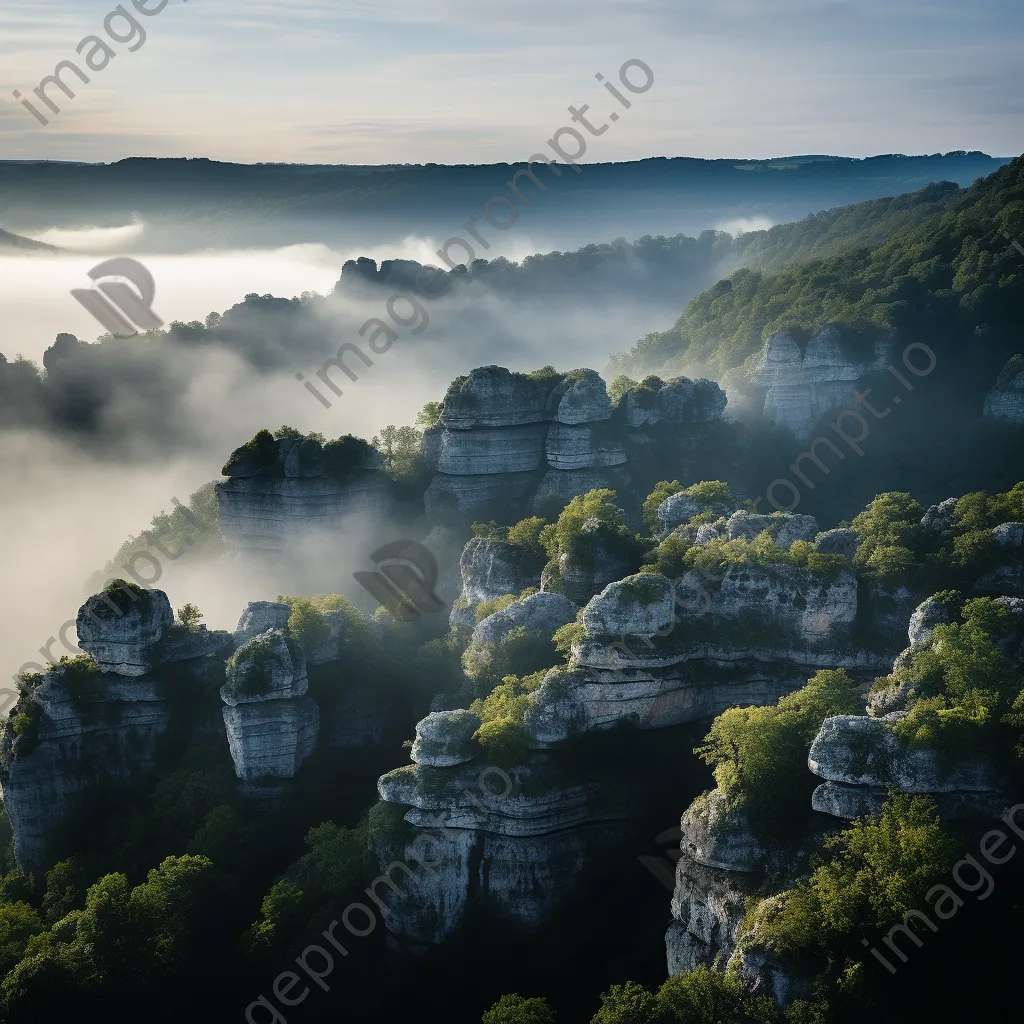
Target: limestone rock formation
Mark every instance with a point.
(500, 430)
(784, 528)
(926, 617)
(805, 384)
(445, 738)
(271, 723)
(82, 726)
(278, 492)
(544, 612)
(520, 840)
(838, 542)
(862, 751)
(939, 518)
(677, 510)
(258, 617)
(490, 569)
(597, 559)
(1005, 402)
(641, 605)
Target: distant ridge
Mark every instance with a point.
(8, 240)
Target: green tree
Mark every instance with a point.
(516, 1009)
(189, 617)
(400, 448)
(430, 415)
(629, 1004)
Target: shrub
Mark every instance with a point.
(189, 617)
(662, 489)
(759, 754)
(598, 504)
(628, 1004)
(877, 870)
(515, 1009)
(569, 634)
(526, 534)
(496, 604)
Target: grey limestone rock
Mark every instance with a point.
(258, 617)
(940, 518)
(598, 559)
(1005, 402)
(677, 401)
(582, 447)
(543, 611)
(122, 627)
(677, 510)
(842, 541)
(783, 527)
(267, 667)
(518, 449)
(863, 751)
(640, 605)
(580, 398)
(445, 738)
(926, 617)
(492, 396)
(490, 569)
(706, 533)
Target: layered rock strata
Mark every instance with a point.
(519, 840)
(280, 494)
(271, 723)
(802, 384)
(99, 722)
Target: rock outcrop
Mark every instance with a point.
(490, 569)
(1005, 402)
(508, 443)
(660, 654)
(279, 492)
(519, 840)
(92, 724)
(271, 723)
(804, 383)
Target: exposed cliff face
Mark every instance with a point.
(722, 865)
(523, 847)
(271, 723)
(804, 384)
(661, 656)
(96, 728)
(499, 431)
(276, 493)
(1005, 402)
(490, 569)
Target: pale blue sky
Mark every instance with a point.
(460, 81)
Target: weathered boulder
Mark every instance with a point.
(545, 612)
(863, 751)
(267, 667)
(706, 533)
(841, 541)
(258, 617)
(492, 396)
(941, 517)
(640, 605)
(784, 528)
(1005, 402)
(445, 738)
(490, 569)
(1009, 536)
(719, 836)
(676, 511)
(581, 397)
(121, 627)
(926, 617)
